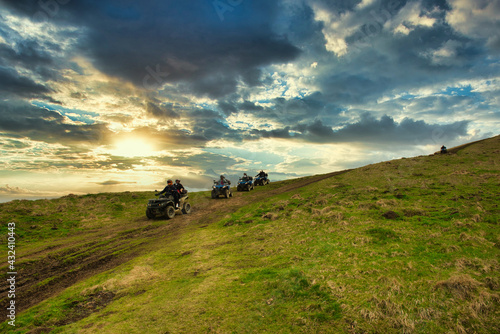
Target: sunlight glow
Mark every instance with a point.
(133, 147)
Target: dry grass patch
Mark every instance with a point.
(270, 216)
(462, 286)
(137, 276)
(387, 203)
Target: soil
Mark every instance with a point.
(51, 270)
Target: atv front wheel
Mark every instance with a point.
(187, 208)
(226, 193)
(170, 212)
(214, 195)
(150, 214)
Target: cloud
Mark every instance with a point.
(164, 110)
(13, 145)
(408, 131)
(12, 83)
(9, 191)
(477, 19)
(190, 45)
(272, 84)
(23, 119)
(371, 131)
(113, 183)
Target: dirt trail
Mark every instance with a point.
(47, 272)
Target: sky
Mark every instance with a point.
(110, 96)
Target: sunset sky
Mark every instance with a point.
(113, 95)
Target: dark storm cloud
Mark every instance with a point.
(285, 111)
(371, 131)
(26, 53)
(24, 119)
(229, 107)
(210, 125)
(162, 110)
(277, 133)
(12, 83)
(408, 131)
(154, 42)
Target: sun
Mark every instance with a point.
(133, 147)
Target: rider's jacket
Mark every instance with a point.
(169, 189)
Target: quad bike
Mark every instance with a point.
(164, 206)
(245, 183)
(219, 189)
(261, 180)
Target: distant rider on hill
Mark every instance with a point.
(171, 189)
(262, 174)
(443, 149)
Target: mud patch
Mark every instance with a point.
(80, 309)
(390, 215)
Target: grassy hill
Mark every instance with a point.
(404, 246)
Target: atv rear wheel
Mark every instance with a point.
(170, 212)
(214, 195)
(187, 208)
(150, 214)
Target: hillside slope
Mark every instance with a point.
(405, 246)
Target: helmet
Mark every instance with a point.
(169, 181)
(177, 180)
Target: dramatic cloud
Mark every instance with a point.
(116, 95)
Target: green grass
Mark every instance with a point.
(325, 258)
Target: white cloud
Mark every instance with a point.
(409, 18)
(476, 18)
(336, 28)
(368, 20)
(446, 54)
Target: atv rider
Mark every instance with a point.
(262, 174)
(171, 189)
(180, 187)
(224, 181)
(245, 177)
(443, 149)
